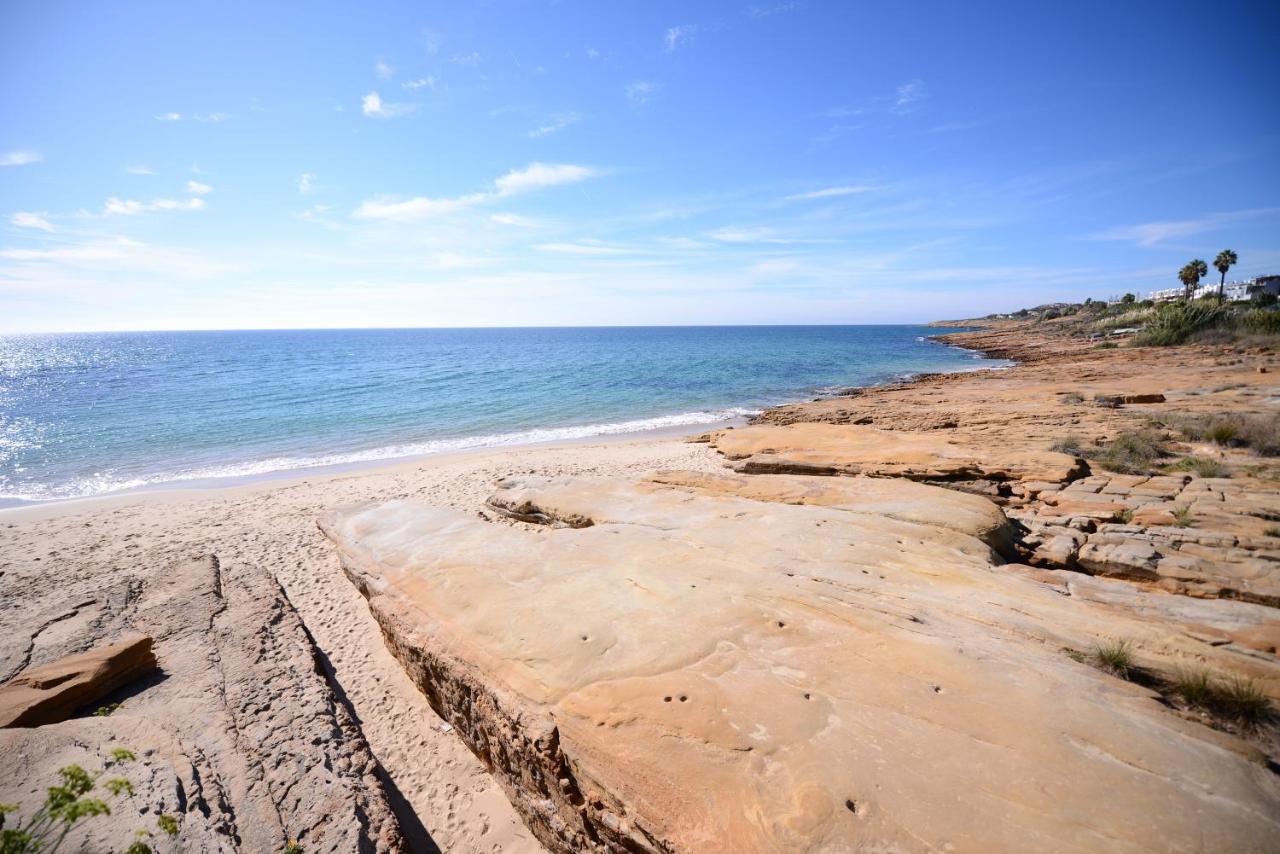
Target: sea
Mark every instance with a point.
(89, 414)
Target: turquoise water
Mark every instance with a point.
(86, 414)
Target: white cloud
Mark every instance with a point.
(469, 59)
(432, 40)
(582, 247)
(25, 219)
(831, 192)
(739, 235)
(428, 82)
(383, 70)
(535, 176)
(196, 188)
(195, 117)
(1153, 233)
(557, 123)
(906, 95)
(678, 36)
(130, 207)
(20, 158)
(640, 92)
(373, 106)
(759, 12)
(514, 219)
(306, 183)
(592, 53)
(138, 170)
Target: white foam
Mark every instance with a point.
(101, 484)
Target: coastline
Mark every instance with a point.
(379, 458)
(444, 790)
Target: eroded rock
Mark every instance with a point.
(695, 670)
(48, 694)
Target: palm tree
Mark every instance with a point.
(1190, 276)
(1224, 262)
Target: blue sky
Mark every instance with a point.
(267, 165)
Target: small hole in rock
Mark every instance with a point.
(584, 637)
(808, 696)
(851, 806)
(781, 624)
(684, 698)
(666, 699)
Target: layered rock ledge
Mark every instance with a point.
(787, 663)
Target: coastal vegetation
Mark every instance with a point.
(1211, 318)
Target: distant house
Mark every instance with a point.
(1237, 291)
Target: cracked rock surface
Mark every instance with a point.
(700, 662)
(239, 735)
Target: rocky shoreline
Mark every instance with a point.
(926, 614)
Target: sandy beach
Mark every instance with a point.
(273, 525)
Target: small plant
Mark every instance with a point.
(1273, 531)
(1106, 345)
(1201, 467)
(1182, 516)
(168, 824)
(1193, 685)
(1072, 445)
(293, 847)
(68, 803)
(1125, 516)
(1113, 656)
(1222, 432)
(105, 711)
(1072, 397)
(1131, 453)
(1242, 698)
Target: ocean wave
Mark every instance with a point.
(103, 483)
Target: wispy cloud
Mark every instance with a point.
(768, 11)
(197, 188)
(306, 183)
(831, 192)
(132, 207)
(1155, 233)
(907, 96)
(428, 82)
(373, 106)
(431, 40)
(639, 92)
(214, 118)
(535, 176)
(515, 220)
(383, 70)
(557, 123)
(677, 37)
(26, 219)
(469, 59)
(582, 247)
(138, 170)
(20, 158)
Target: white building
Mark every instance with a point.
(1237, 291)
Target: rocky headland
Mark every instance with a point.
(1026, 608)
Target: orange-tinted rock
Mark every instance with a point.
(52, 693)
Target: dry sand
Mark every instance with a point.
(273, 526)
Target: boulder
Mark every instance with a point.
(706, 664)
(52, 693)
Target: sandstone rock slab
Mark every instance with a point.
(52, 693)
(682, 668)
(829, 449)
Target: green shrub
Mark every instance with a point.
(1260, 321)
(1175, 323)
(1182, 516)
(1201, 467)
(1237, 698)
(1273, 531)
(1130, 453)
(1072, 397)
